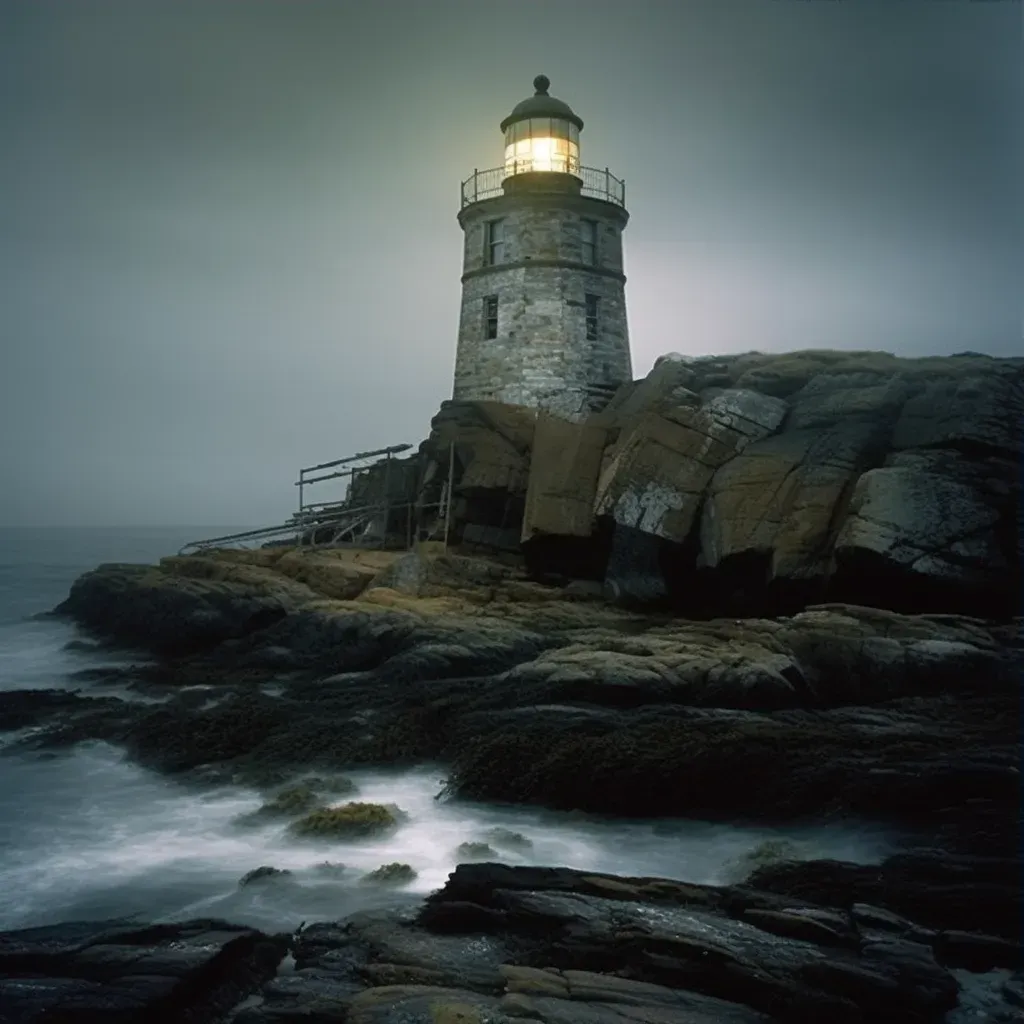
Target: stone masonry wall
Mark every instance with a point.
(541, 356)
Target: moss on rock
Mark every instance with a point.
(349, 821)
(390, 874)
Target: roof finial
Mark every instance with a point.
(541, 83)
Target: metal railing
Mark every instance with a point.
(348, 522)
(597, 184)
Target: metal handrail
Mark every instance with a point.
(394, 449)
(595, 184)
(344, 516)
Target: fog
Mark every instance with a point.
(228, 244)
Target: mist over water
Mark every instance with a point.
(88, 834)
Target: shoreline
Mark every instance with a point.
(834, 710)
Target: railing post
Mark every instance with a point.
(448, 502)
(623, 183)
(476, 173)
(387, 502)
(607, 182)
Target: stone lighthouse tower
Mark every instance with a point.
(543, 319)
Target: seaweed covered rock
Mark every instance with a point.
(390, 874)
(349, 821)
(911, 762)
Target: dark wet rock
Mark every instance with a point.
(21, 709)
(390, 874)
(187, 605)
(935, 889)
(119, 972)
(175, 739)
(557, 945)
(1013, 989)
(697, 938)
(263, 874)
(910, 762)
(975, 952)
(474, 851)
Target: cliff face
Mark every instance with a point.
(762, 482)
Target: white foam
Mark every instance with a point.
(98, 836)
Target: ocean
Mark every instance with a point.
(87, 834)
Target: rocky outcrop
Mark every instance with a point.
(121, 972)
(201, 604)
(753, 483)
(502, 943)
(549, 695)
(514, 684)
(488, 445)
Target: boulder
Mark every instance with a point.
(489, 445)
(769, 481)
(934, 888)
(187, 605)
(118, 971)
(780, 499)
(686, 942)
(563, 478)
(979, 409)
(931, 526)
(656, 474)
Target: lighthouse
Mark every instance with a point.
(543, 316)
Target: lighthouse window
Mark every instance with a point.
(495, 251)
(588, 229)
(592, 304)
(490, 316)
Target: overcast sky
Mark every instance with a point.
(228, 244)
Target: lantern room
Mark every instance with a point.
(542, 134)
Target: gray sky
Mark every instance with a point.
(228, 244)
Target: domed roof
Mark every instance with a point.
(540, 104)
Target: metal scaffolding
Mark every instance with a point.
(369, 516)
